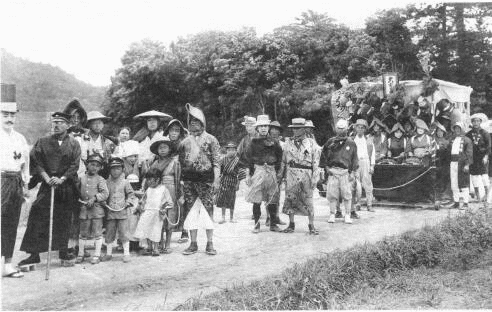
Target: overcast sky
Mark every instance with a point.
(88, 38)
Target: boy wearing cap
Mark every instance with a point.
(339, 158)
(93, 193)
(481, 151)
(367, 159)
(14, 156)
(263, 158)
(120, 198)
(461, 148)
(54, 162)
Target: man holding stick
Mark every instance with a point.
(54, 162)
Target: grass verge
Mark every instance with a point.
(327, 282)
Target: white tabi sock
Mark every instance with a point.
(109, 249)
(126, 248)
(99, 242)
(81, 247)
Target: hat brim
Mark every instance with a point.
(298, 126)
(262, 124)
(154, 114)
(155, 146)
(99, 118)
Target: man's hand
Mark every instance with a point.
(91, 202)
(466, 168)
(371, 170)
(486, 159)
(351, 177)
(248, 181)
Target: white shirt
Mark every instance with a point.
(455, 148)
(14, 153)
(89, 147)
(362, 153)
(145, 153)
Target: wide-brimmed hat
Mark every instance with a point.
(262, 120)
(165, 140)
(459, 124)
(309, 124)
(196, 113)
(275, 124)
(376, 121)
(361, 122)
(133, 178)
(397, 127)
(174, 122)
(95, 157)
(8, 102)
(59, 116)
(130, 148)
(419, 123)
(342, 124)
(230, 145)
(115, 162)
(439, 126)
(95, 115)
(249, 121)
(484, 119)
(298, 123)
(152, 113)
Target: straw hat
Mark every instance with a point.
(376, 121)
(262, 120)
(152, 113)
(361, 122)
(309, 124)
(195, 112)
(8, 102)
(95, 115)
(249, 121)
(155, 146)
(342, 124)
(397, 127)
(130, 148)
(459, 124)
(419, 123)
(484, 119)
(298, 123)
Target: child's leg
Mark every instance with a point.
(223, 213)
(84, 232)
(111, 227)
(169, 233)
(97, 226)
(231, 214)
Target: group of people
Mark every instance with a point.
(134, 193)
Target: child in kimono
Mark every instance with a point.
(153, 207)
(93, 192)
(119, 201)
(169, 166)
(229, 182)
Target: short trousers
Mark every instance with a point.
(120, 226)
(91, 228)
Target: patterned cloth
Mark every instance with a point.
(300, 182)
(11, 209)
(481, 147)
(226, 195)
(202, 190)
(264, 186)
(199, 155)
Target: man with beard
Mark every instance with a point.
(198, 154)
(14, 156)
(339, 158)
(263, 157)
(54, 162)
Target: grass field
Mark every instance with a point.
(444, 266)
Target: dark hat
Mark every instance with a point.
(95, 157)
(155, 146)
(75, 106)
(230, 145)
(376, 121)
(361, 122)
(8, 103)
(440, 126)
(115, 162)
(59, 116)
(275, 124)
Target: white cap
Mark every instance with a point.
(342, 124)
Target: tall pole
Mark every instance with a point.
(52, 204)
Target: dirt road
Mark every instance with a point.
(162, 283)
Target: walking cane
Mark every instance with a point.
(52, 203)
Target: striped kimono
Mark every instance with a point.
(226, 195)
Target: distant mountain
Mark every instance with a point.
(45, 88)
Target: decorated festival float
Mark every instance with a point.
(401, 181)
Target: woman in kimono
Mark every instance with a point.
(396, 143)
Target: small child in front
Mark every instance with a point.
(93, 192)
(154, 203)
(120, 198)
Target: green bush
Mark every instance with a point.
(319, 283)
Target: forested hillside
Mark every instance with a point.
(43, 88)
